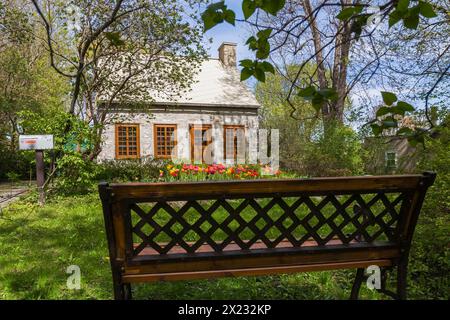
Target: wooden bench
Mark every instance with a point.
(177, 231)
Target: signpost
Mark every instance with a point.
(38, 143)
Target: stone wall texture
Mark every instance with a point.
(183, 120)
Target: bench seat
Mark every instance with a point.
(149, 265)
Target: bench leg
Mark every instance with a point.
(402, 270)
(357, 283)
(127, 291)
(122, 291)
(118, 292)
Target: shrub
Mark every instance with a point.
(78, 175)
(75, 174)
(15, 161)
(144, 169)
(13, 177)
(430, 255)
(336, 152)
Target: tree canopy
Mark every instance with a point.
(343, 39)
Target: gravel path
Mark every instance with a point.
(10, 193)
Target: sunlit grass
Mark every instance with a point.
(38, 244)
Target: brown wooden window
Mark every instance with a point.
(165, 139)
(231, 136)
(127, 141)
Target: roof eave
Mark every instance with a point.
(188, 104)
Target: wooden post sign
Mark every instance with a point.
(38, 143)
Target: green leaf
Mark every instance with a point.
(260, 75)
(376, 129)
(389, 123)
(250, 40)
(426, 10)
(405, 131)
(230, 16)
(264, 34)
(114, 38)
(317, 102)
(411, 21)
(263, 49)
(383, 111)
(210, 19)
(388, 97)
(397, 110)
(246, 73)
(358, 9)
(252, 43)
(248, 8)
(307, 92)
(349, 11)
(406, 107)
(395, 17)
(346, 13)
(216, 13)
(402, 5)
(220, 5)
(415, 139)
(267, 67)
(247, 63)
(328, 93)
(273, 6)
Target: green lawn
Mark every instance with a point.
(38, 244)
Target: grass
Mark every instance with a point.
(37, 244)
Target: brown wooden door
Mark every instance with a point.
(201, 137)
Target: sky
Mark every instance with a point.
(239, 34)
(225, 32)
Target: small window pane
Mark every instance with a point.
(391, 159)
(127, 141)
(164, 140)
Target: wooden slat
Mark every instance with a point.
(230, 189)
(132, 278)
(258, 258)
(118, 220)
(148, 251)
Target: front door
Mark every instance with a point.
(201, 138)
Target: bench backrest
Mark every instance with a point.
(244, 215)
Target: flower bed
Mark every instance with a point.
(201, 172)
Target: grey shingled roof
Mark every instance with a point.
(216, 85)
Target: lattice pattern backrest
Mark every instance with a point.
(269, 221)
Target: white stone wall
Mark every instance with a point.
(146, 121)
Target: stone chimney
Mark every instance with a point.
(227, 54)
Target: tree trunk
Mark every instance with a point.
(340, 66)
(333, 111)
(321, 75)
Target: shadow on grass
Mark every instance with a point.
(36, 250)
(38, 244)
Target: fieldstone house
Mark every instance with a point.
(217, 111)
(392, 154)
